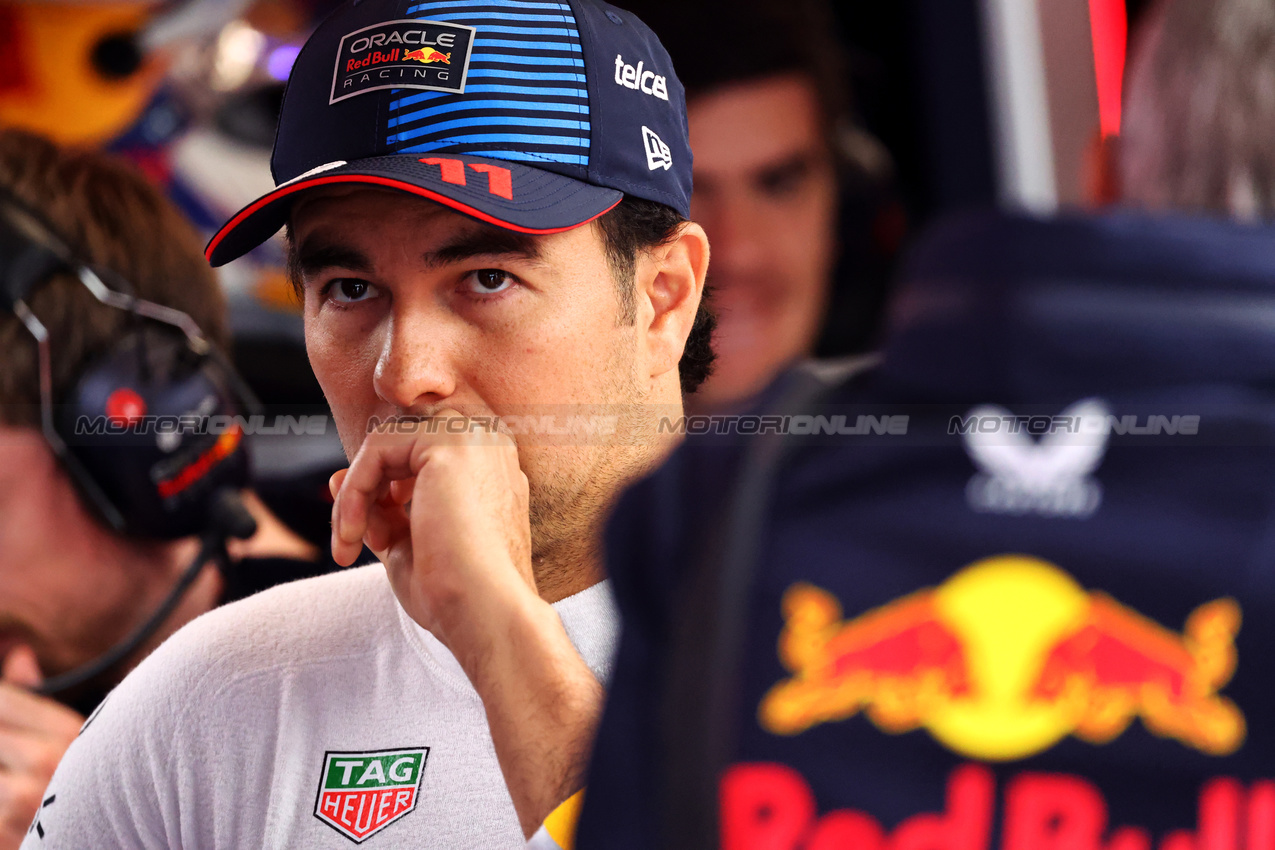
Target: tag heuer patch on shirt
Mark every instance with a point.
(362, 793)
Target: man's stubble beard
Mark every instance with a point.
(571, 500)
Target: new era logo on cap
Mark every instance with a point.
(657, 153)
(507, 111)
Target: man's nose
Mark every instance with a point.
(737, 231)
(415, 368)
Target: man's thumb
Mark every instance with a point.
(21, 668)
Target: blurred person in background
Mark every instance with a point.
(1198, 132)
(189, 91)
(1038, 612)
(775, 148)
(72, 588)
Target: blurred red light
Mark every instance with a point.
(1109, 23)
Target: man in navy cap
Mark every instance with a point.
(487, 206)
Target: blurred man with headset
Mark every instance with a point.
(488, 207)
(110, 535)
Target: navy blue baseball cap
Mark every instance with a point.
(533, 115)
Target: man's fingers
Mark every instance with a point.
(339, 550)
(34, 735)
(401, 491)
(21, 668)
(22, 710)
(386, 520)
(19, 801)
(358, 488)
(30, 753)
(384, 459)
(334, 483)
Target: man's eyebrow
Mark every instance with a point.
(787, 166)
(488, 242)
(314, 255)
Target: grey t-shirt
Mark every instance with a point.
(316, 714)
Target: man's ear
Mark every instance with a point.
(670, 283)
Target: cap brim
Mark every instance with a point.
(499, 192)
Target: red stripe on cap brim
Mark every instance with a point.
(282, 192)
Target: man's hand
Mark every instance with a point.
(446, 508)
(34, 733)
(465, 539)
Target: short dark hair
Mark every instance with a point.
(117, 220)
(638, 225)
(715, 43)
(633, 226)
(1199, 118)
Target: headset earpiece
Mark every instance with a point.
(152, 430)
(154, 425)
(862, 160)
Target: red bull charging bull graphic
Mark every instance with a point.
(427, 55)
(1005, 659)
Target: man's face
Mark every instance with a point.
(766, 193)
(411, 308)
(61, 591)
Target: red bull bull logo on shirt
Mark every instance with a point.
(1005, 659)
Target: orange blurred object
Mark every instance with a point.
(50, 82)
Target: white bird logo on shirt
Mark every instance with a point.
(1049, 476)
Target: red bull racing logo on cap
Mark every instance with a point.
(410, 54)
(1004, 660)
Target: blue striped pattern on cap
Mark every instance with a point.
(525, 98)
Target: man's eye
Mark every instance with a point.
(348, 290)
(781, 184)
(489, 281)
(786, 179)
